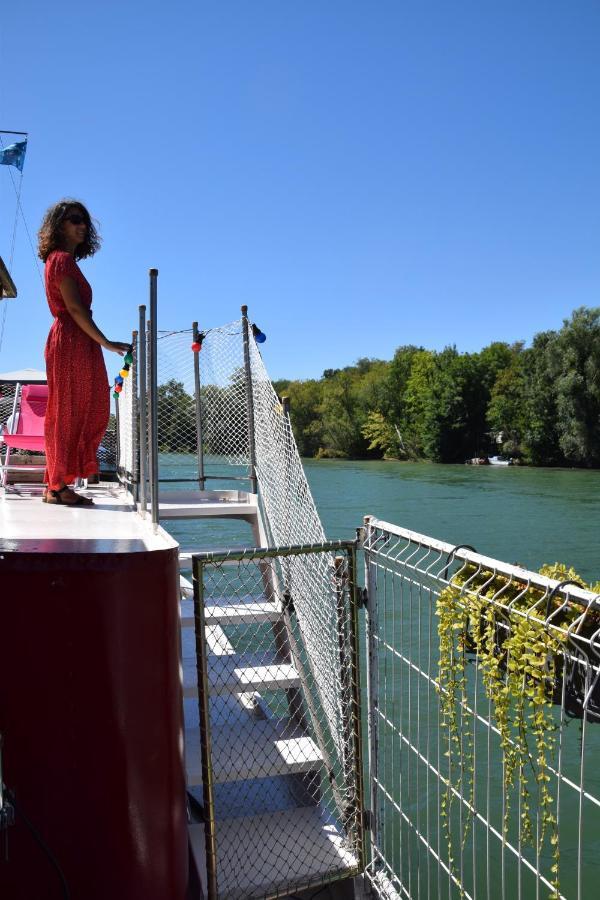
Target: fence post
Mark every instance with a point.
(118, 444)
(347, 624)
(135, 469)
(205, 730)
(249, 400)
(153, 398)
(198, 404)
(372, 639)
(143, 418)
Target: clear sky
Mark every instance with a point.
(361, 173)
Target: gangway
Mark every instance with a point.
(271, 732)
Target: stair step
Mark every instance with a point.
(197, 504)
(217, 641)
(240, 673)
(271, 853)
(260, 748)
(246, 610)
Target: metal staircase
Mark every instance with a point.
(255, 753)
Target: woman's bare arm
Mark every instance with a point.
(81, 316)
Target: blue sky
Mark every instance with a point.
(361, 174)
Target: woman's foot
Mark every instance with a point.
(64, 496)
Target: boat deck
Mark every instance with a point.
(112, 525)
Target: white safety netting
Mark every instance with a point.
(292, 518)
(224, 395)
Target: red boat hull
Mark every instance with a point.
(90, 714)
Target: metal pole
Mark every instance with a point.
(135, 469)
(198, 401)
(143, 409)
(249, 400)
(355, 683)
(372, 635)
(345, 675)
(13, 428)
(118, 466)
(286, 564)
(153, 398)
(205, 729)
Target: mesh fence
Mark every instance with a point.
(222, 405)
(281, 792)
(224, 395)
(292, 518)
(484, 724)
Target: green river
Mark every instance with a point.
(515, 514)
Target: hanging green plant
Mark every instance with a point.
(521, 661)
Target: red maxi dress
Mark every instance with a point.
(78, 389)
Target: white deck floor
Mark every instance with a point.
(112, 525)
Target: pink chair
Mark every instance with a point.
(26, 431)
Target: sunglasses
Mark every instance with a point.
(75, 219)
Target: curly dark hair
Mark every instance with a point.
(50, 233)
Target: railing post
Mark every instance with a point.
(372, 639)
(342, 630)
(153, 398)
(143, 418)
(356, 729)
(135, 468)
(205, 729)
(118, 466)
(249, 400)
(198, 404)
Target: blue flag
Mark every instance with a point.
(14, 155)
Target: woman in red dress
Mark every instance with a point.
(78, 388)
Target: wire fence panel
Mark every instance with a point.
(282, 802)
(202, 404)
(484, 724)
(224, 398)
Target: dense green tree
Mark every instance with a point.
(305, 400)
(507, 413)
(541, 434)
(448, 406)
(576, 362)
(342, 417)
(176, 418)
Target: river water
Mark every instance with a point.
(515, 514)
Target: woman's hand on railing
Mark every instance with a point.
(120, 347)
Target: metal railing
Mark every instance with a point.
(484, 704)
(283, 816)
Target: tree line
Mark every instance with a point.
(539, 404)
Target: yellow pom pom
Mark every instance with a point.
(124, 373)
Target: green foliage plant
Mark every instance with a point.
(520, 660)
